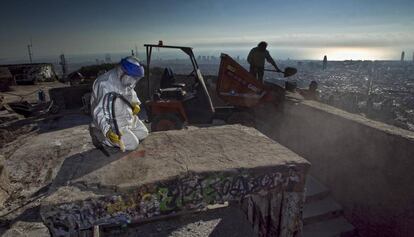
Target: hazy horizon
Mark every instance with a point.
(242, 53)
(353, 29)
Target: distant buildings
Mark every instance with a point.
(6, 79)
(325, 62)
(207, 59)
(108, 58)
(63, 65)
(346, 83)
(29, 51)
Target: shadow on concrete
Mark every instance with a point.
(84, 163)
(29, 215)
(228, 222)
(43, 190)
(72, 168)
(55, 123)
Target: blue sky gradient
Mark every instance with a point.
(296, 29)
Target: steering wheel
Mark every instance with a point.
(195, 84)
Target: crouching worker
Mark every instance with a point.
(115, 107)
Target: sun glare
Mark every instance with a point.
(357, 54)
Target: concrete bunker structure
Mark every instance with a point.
(178, 171)
(366, 165)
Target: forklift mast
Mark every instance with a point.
(199, 108)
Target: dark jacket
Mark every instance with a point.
(257, 57)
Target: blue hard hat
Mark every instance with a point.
(130, 65)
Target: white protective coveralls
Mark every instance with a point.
(132, 129)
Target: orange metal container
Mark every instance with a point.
(238, 87)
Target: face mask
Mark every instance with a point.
(128, 81)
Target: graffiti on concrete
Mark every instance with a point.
(186, 193)
(196, 191)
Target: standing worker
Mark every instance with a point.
(115, 107)
(257, 58)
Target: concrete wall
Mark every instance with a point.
(368, 165)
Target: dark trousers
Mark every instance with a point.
(257, 72)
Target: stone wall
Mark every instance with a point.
(367, 165)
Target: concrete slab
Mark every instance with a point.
(169, 154)
(38, 159)
(173, 171)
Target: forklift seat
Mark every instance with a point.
(168, 80)
(173, 93)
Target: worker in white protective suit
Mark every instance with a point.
(115, 106)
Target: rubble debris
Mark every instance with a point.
(9, 134)
(32, 72)
(27, 109)
(6, 79)
(8, 116)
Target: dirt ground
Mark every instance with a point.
(14, 125)
(32, 161)
(28, 172)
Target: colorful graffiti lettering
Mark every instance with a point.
(183, 193)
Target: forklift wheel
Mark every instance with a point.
(164, 122)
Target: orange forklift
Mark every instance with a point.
(175, 100)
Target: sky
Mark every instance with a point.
(308, 29)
